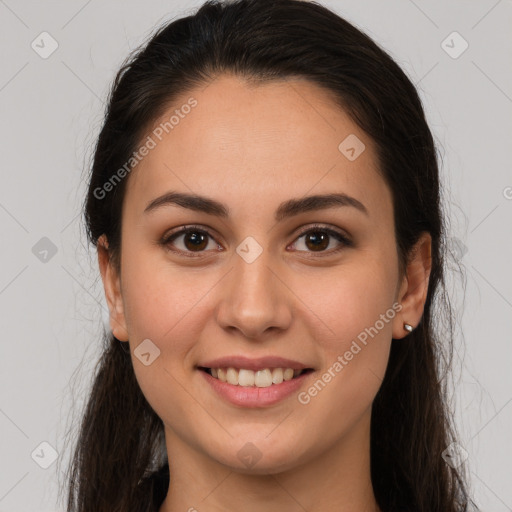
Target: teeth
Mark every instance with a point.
(263, 378)
(288, 374)
(232, 376)
(248, 378)
(245, 378)
(277, 376)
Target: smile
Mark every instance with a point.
(249, 378)
(254, 388)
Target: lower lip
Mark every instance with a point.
(245, 396)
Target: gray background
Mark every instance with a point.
(52, 305)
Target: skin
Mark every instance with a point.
(251, 148)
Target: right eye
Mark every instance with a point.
(194, 240)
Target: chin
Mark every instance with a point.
(259, 457)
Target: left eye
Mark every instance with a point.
(319, 239)
(316, 239)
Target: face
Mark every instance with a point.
(259, 276)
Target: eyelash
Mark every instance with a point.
(315, 228)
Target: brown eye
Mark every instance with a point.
(318, 239)
(192, 240)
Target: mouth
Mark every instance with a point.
(263, 378)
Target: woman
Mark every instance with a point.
(265, 203)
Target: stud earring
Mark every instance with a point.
(408, 327)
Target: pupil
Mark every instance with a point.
(318, 241)
(197, 239)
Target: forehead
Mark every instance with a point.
(257, 145)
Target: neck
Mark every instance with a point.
(338, 478)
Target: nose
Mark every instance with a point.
(255, 300)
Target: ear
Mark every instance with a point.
(414, 286)
(111, 284)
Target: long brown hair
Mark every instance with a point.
(120, 441)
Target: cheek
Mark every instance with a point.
(171, 309)
(359, 314)
(355, 303)
(160, 302)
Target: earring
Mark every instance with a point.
(408, 327)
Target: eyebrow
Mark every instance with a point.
(285, 210)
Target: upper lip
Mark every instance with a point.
(254, 364)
